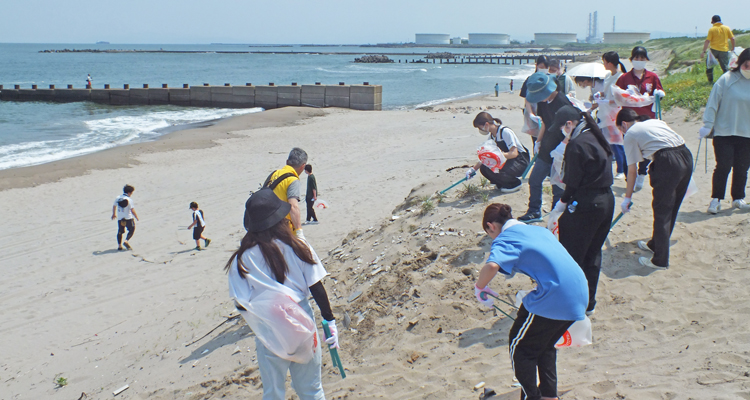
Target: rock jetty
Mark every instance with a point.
(375, 58)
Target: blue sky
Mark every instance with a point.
(339, 21)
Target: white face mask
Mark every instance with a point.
(745, 73)
(544, 71)
(639, 65)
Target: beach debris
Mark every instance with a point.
(355, 296)
(347, 320)
(360, 317)
(120, 390)
(412, 323)
(413, 357)
(204, 351)
(236, 350)
(84, 396)
(230, 318)
(487, 394)
(479, 385)
(394, 217)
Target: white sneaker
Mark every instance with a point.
(647, 263)
(639, 180)
(620, 176)
(644, 246)
(715, 206)
(741, 204)
(511, 190)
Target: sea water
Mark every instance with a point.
(36, 132)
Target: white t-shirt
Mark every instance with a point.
(127, 211)
(298, 280)
(198, 216)
(643, 139)
(509, 137)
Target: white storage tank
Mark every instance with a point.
(489, 38)
(456, 40)
(433, 38)
(626, 37)
(554, 38)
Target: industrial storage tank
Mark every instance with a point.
(626, 37)
(554, 38)
(433, 38)
(489, 38)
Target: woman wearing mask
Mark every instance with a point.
(611, 61)
(531, 120)
(670, 175)
(507, 179)
(728, 116)
(271, 257)
(564, 82)
(647, 83)
(587, 204)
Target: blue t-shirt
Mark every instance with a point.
(561, 292)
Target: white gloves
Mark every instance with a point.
(537, 146)
(483, 295)
(333, 341)
(470, 173)
(625, 206)
(300, 235)
(703, 132)
(659, 93)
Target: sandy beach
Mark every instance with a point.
(75, 307)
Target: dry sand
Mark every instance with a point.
(75, 307)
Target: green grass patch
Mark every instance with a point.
(689, 89)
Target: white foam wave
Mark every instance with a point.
(445, 100)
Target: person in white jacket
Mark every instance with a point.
(727, 117)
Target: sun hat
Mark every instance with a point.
(565, 114)
(639, 51)
(263, 210)
(539, 87)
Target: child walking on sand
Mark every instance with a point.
(199, 225)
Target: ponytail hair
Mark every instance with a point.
(613, 58)
(485, 117)
(629, 115)
(496, 212)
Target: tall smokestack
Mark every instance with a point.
(613, 23)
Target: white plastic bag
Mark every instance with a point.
(631, 97)
(578, 335)
(607, 113)
(556, 172)
(491, 156)
(691, 189)
(281, 325)
(320, 204)
(711, 60)
(553, 224)
(531, 123)
(734, 56)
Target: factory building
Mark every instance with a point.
(489, 38)
(432, 38)
(626, 37)
(554, 38)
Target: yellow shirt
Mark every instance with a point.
(718, 35)
(283, 186)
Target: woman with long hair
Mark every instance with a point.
(652, 139)
(516, 155)
(727, 115)
(558, 300)
(272, 258)
(587, 204)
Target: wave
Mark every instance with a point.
(445, 100)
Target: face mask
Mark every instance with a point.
(639, 65)
(745, 73)
(544, 71)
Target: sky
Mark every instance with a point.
(342, 21)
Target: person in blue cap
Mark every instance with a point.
(541, 88)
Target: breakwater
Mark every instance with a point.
(356, 97)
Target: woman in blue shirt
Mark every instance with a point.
(559, 299)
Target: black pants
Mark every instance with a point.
(532, 348)
(643, 167)
(584, 231)
(310, 210)
(121, 225)
(723, 58)
(670, 174)
(732, 154)
(508, 176)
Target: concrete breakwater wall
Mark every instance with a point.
(356, 97)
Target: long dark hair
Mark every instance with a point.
(542, 60)
(744, 56)
(485, 117)
(271, 252)
(594, 128)
(496, 212)
(629, 115)
(613, 58)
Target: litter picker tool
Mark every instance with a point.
(657, 101)
(619, 216)
(484, 295)
(334, 352)
(453, 185)
(698, 154)
(531, 164)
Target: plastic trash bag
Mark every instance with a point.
(281, 325)
(607, 113)
(320, 204)
(556, 172)
(531, 123)
(734, 56)
(711, 60)
(553, 222)
(491, 156)
(691, 189)
(578, 335)
(631, 97)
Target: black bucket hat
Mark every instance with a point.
(565, 114)
(263, 210)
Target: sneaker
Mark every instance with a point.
(207, 242)
(644, 246)
(198, 248)
(740, 204)
(715, 206)
(511, 190)
(530, 216)
(127, 245)
(306, 222)
(647, 263)
(620, 176)
(120, 249)
(639, 180)
(313, 222)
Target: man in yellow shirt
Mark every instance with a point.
(717, 37)
(286, 185)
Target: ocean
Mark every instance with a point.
(34, 133)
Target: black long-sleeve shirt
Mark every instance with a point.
(586, 165)
(552, 137)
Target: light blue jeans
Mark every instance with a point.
(305, 377)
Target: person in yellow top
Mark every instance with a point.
(717, 38)
(286, 185)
